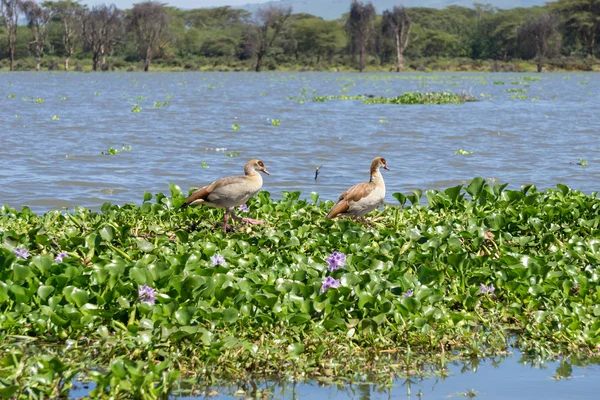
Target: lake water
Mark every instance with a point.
(510, 377)
(49, 164)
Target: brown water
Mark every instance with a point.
(48, 164)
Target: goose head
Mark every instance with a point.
(255, 166)
(379, 162)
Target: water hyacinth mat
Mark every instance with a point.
(146, 300)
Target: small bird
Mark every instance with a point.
(364, 197)
(231, 192)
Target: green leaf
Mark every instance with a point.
(144, 245)
(107, 233)
(400, 197)
(45, 291)
(411, 304)
(364, 299)
(147, 196)
(453, 192)
(80, 297)
(21, 272)
(475, 187)
(117, 367)
(230, 315)
(296, 349)
(43, 262)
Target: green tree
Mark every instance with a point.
(581, 18)
(10, 11)
(68, 12)
(319, 38)
(38, 19)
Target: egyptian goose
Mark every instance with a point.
(364, 197)
(231, 192)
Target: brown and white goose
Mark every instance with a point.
(364, 197)
(231, 192)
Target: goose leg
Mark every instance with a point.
(225, 217)
(246, 220)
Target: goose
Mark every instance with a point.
(230, 192)
(364, 197)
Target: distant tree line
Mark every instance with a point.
(273, 36)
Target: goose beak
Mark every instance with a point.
(386, 168)
(265, 171)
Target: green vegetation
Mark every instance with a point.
(235, 127)
(223, 38)
(145, 299)
(463, 152)
(136, 108)
(405, 98)
(113, 151)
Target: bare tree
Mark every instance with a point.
(69, 13)
(269, 22)
(38, 18)
(150, 23)
(540, 32)
(397, 23)
(10, 10)
(360, 29)
(102, 28)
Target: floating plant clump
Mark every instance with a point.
(138, 298)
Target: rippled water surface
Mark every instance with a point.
(48, 164)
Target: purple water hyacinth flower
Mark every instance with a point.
(217, 259)
(409, 293)
(147, 294)
(336, 261)
(243, 208)
(21, 252)
(329, 282)
(483, 289)
(59, 257)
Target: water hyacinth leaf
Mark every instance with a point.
(314, 196)
(147, 196)
(230, 315)
(43, 262)
(412, 304)
(365, 299)
(44, 291)
(454, 192)
(7, 392)
(296, 349)
(564, 189)
(415, 197)
(184, 315)
(107, 233)
(300, 319)
(350, 279)
(117, 367)
(21, 272)
(79, 297)
(475, 187)
(144, 245)
(400, 197)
